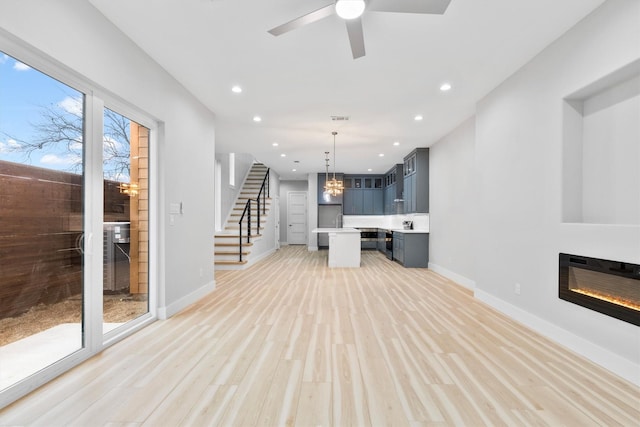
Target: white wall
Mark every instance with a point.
(80, 38)
(611, 155)
(243, 163)
(452, 204)
(312, 200)
(285, 187)
(518, 155)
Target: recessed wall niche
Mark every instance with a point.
(601, 151)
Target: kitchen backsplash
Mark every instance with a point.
(420, 221)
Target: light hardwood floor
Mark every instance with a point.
(292, 342)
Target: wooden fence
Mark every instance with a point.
(40, 232)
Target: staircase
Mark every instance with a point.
(227, 242)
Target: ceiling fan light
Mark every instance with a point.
(349, 9)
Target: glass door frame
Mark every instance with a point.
(106, 101)
(95, 100)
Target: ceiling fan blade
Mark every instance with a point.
(437, 7)
(356, 37)
(314, 16)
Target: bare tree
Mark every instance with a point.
(116, 145)
(60, 130)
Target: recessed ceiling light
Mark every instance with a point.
(445, 87)
(369, 170)
(381, 155)
(275, 144)
(396, 143)
(417, 118)
(293, 170)
(283, 155)
(257, 118)
(236, 89)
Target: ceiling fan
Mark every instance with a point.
(352, 10)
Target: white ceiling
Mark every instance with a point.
(296, 81)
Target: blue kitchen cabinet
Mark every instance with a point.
(416, 181)
(364, 195)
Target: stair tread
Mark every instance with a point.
(232, 245)
(230, 236)
(230, 262)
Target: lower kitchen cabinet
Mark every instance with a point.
(398, 247)
(411, 249)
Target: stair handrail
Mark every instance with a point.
(265, 184)
(247, 211)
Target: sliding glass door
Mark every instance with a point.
(126, 220)
(42, 190)
(74, 224)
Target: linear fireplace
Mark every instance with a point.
(609, 287)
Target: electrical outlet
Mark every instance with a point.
(516, 289)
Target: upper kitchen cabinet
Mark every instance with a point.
(363, 195)
(393, 187)
(326, 200)
(416, 181)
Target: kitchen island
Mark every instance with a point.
(344, 246)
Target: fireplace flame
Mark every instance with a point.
(612, 299)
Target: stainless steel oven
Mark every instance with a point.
(368, 238)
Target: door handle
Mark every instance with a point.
(88, 246)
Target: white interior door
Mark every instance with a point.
(297, 217)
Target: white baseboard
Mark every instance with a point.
(459, 279)
(260, 257)
(312, 248)
(601, 356)
(168, 311)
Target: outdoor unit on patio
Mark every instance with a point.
(116, 257)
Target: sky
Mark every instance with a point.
(24, 94)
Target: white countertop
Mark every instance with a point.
(388, 222)
(335, 230)
(402, 230)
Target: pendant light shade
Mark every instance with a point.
(349, 9)
(332, 187)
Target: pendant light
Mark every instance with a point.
(332, 187)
